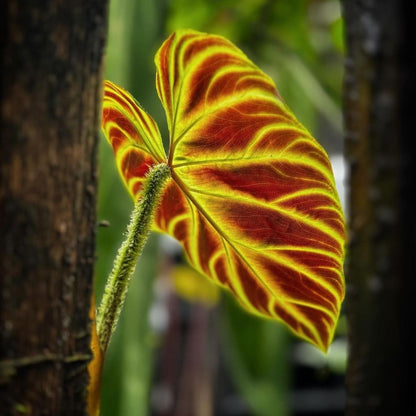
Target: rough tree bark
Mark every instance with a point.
(380, 86)
(51, 83)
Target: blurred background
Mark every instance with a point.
(182, 347)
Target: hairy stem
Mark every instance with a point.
(137, 233)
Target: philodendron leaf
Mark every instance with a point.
(252, 197)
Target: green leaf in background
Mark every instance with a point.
(257, 352)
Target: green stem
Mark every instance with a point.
(137, 233)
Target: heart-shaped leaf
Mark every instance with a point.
(252, 197)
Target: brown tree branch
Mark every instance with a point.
(51, 86)
(380, 86)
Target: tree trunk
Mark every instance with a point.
(380, 88)
(51, 85)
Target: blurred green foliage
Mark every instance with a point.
(299, 44)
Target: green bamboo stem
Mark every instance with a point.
(137, 233)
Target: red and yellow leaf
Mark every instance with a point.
(252, 197)
(133, 134)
